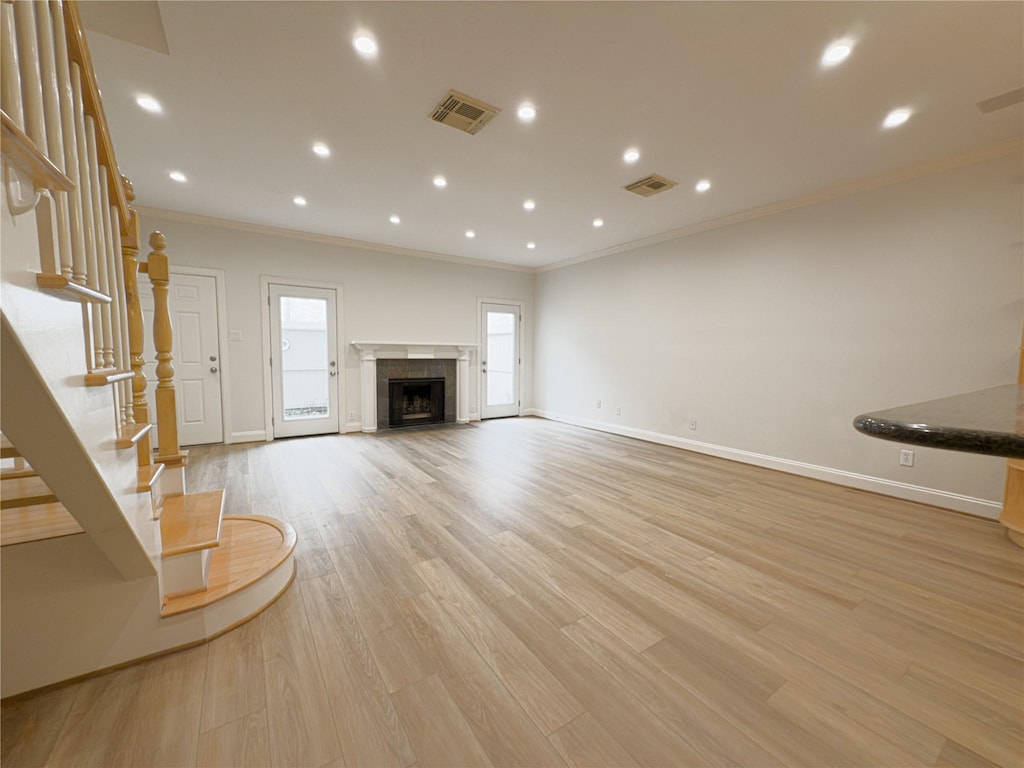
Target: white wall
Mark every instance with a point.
(775, 333)
(387, 297)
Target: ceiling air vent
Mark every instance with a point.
(463, 112)
(651, 185)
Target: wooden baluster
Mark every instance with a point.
(106, 346)
(54, 132)
(88, 220)
(136, 331)
(122, 355)
(31, 79)
(10, 75)
(166, 412)
(67, 120)
(116, 298)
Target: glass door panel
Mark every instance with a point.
(304, 363)
(500, 360)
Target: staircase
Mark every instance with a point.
(106, 558)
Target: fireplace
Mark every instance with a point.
(380, 362)
(415, 401)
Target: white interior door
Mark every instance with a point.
(499, 364)
(197, 358)
(304, 361)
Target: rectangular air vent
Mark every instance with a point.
(651, 185)
(463, 112)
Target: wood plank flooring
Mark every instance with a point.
(528, 593)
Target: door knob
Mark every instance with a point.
(213, 358)
(213, 369)
(334, 373)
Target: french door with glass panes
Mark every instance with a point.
(499, 361)
(304, 362)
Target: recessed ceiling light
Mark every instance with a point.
(897, 117)
(529, 205)
(836, 53)
(178, 176)
(365, 44)
(299, 200)
(394, 219)
(149, 104)
(632, 155)
(470, 233)
(440, 182)
(598, 222)
(703, 185)
(321, 149)
(526, 112)
(531, 245)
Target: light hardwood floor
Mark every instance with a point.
(527, 593)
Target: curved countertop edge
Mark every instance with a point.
(1000, 444)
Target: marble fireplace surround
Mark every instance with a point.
(372, 351)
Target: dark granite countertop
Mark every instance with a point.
(990, 422)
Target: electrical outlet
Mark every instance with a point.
(618, 410)
(598, 404)
(472, 409)
(351, 415)
(693, 424)
(906, 458)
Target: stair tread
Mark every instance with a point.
(7, 474)
(251, 547)
(64, 287)
(191, 522)
(104, 376)
(148, 476)
(130, 434)
(24, 492)
(43, 521)
(7, 451)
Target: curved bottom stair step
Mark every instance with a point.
(251, 548)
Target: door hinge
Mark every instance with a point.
(272, 421)
(268, 299)
(271, 361)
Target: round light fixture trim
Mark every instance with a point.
(178, 176)
(299, 200)
(897, 117)
(149, 104)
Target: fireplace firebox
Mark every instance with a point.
(415, 401)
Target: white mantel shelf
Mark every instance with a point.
(426, 350)
(371, 351)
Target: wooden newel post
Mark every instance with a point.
(136, 331)
(166, 411)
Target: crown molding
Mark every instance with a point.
(927, 168)
(294, 234)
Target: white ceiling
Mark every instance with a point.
(732, 92)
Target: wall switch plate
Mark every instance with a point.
(235, 335)
(618, 410)
(906, 458)
(598, 403)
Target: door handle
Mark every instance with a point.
(334, 373)
(213, 369)
(483, 367)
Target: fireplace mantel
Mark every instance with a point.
(371, 351)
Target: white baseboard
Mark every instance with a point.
(352, 426)
(933, 496)
(254, 436)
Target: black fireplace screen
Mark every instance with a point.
(415, 401)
